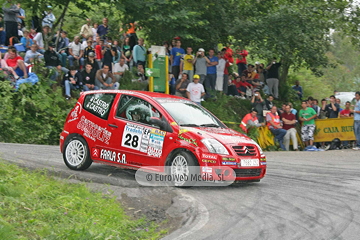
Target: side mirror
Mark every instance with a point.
(163, 125)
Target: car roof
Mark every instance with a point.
(135, 93)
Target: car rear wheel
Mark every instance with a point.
(76, 154)
(184, 170)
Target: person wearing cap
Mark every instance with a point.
(52, 61)
(175, 58)
(32, 54)
(92, 61)
(195, 90)
(49, 18)
(11, 12)
(42, 38)
(201, 62)
(26, 41)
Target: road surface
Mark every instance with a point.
(305, 195)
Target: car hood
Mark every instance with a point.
(225, 135)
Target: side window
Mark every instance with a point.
(136, 109)
(99, 104)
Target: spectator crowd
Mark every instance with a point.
(93, 61)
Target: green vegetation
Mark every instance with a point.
(33, 205)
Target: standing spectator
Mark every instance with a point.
(32, 54)
(2, 32)
(131, 33)
(347, 111)
(307, 116)
(241, 60)
(86, 30)
(226, 71)
(119, 69)
(210, 80)
(250, 120)
(49, 18)
(274, 125)
(126, 51)
(14, 63)
(332, 109)
(220, 68)
(323, 112)
(200, 62)
(258, 104)
(229, 53)
(88, 78)
(76, 52)
(139, 53)
(104, 79)
(94, 31)
(181, 85)
(98, 52)
(298, 89)
(187, 62)
(91, 60)
(52, 61)
(338, 101)
(72, 81)
(175, 58)
(195, 90)
(103, 29)
(43, 38)
(26, 41)
(108, 51)
(11, 12)
(273, 78)
(316, 107)
(21, 16)
(356, 113)
(289, 121)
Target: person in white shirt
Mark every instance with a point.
(119, 69)
(76, 52)
(39, 38)
(220, 72)
(195, 90)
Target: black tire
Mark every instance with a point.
(76, 153)
(186, 160)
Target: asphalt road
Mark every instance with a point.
(305, 195)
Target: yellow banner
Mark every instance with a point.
(328, 129)
(266, 138)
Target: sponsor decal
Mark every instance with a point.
(229, 159)
(183, 130)
(97, 105)
(229, 163)
(209, 156)
(94, 131)
(62, 137)
(208, 161)
(206, 169)
(74, 115)
(263, 163)
(109, 155)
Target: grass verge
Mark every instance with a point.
(34, 205)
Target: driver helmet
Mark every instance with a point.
(141, 110)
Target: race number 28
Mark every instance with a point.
(131, 137)
(131, 140)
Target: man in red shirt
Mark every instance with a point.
(346, 112)
(241, 60)
(14, 63)
(289, 121)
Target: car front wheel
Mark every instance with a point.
(184, 169)
(76, 154)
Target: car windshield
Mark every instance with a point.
(189, 114)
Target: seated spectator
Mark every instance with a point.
(76, 52)
(104, 79)
(289, 121)
(141, 73)
(49, 18)
(88, 49)
(62, 46)
(119, 69)
(292, 110)
(13, 63)
(245, 87)
(269, 102)
(32, 54)
(52, 61)
(26, 41)
(88, 78)
(72, 81)
(41, 37)
(108, 52)
(274, 125)
(346, 112)
(298, 89)
(250, 120)
(181, 85)
(91, 60)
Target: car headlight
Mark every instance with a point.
(260, 150)
(214, 146)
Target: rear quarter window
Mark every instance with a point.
(99, 104)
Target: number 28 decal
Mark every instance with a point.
(131, 140)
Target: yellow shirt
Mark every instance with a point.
(188, 65)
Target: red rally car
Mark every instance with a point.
(134, 129)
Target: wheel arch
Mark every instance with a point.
(177, 150)
(68, 137)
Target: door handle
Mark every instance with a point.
(113, 125)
